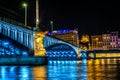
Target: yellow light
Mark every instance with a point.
(85, 39)
(38, 44)
(24, 4)
(96, 39)
(39, 71)
(39, 40)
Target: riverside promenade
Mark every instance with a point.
(23, 61)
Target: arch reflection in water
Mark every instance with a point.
(15, 73)
(66, 70)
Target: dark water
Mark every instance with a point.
(102, 69)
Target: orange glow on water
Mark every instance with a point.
(39, 73)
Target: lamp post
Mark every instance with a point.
(51, 23)
(25, 6)
(37, 14)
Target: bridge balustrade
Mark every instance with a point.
(17, 33)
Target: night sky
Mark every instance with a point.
(89, 17)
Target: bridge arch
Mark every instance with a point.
(60, 51)
(50, 41)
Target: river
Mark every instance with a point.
(99, 69)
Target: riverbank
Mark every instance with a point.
(23, 60)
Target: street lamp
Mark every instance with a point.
(25, 6)
(51, 23)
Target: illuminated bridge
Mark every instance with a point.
(58, 48)
(16, 40)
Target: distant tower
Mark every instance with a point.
(37, 14)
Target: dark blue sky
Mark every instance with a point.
(89, 17)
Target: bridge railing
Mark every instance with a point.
(15, 22)
(18, 33)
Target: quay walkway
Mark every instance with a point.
(23, 61)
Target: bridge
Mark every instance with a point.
(17, 40)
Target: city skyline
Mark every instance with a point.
(87, 17)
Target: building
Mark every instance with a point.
(106, 38)
(71, 36)
(96, 42)
(118, 43)
(85, 39)
(109, 41)
(114, 40)
(85, 42)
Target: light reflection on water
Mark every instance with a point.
(15, 73)
(101, 69)
(66, 70)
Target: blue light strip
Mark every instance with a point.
(61, 51)
(60, 31)
(9, 50)
(16, 33)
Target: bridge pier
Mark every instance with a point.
(39, 49)
(84, 55)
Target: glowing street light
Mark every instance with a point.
(51, 23)
(25, 6)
